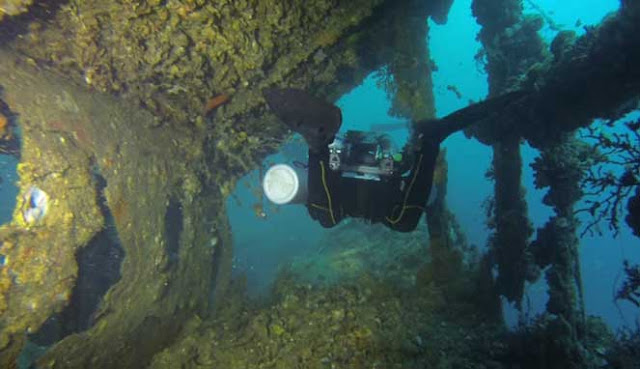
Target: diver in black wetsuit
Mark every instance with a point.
(360, 175)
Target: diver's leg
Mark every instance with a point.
(441, 129)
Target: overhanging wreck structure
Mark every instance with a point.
(142, 177)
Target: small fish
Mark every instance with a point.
(455, 90)
(215, 102)
(4, 126)
(258, 210)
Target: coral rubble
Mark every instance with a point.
(162, 101)
(369, 316)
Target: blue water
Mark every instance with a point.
(601, 257)
(8, 189)
(262, 245)
(287, 233)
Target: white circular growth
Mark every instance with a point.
(281, 184)
(36, 204)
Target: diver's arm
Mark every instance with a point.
(438, 130)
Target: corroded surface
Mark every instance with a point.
(420, 320)
(173, 57)
(13, 7)
(594, 78)
(575, 81)
(69, 135)
(176, 57)
(583, 78)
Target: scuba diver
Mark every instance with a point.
(359, 174)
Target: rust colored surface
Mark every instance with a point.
(215, 102)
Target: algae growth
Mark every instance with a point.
(163, 195)
(13, 7)
(352, 317)
(137, 119)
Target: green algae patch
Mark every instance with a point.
(69, 136)
(171, 58)
(357, 248)
(391, 308)
(368, 324)
(13, 7)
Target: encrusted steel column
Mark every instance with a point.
(561, 168)
(585, 78)
(511, 46)
(512, 226)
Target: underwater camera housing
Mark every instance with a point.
(364, 155)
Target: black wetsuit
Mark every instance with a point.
(396, 201)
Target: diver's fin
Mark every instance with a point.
(441, 128)
(315, 119)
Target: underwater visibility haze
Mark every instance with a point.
(320, 184)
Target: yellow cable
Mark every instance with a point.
(319, 207)
(406, 195)
(326, 190)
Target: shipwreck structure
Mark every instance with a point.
(133, 121)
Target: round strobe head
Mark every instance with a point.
(282, 185)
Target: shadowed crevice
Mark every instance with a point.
(98, 269)
(173, 218)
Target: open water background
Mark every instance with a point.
(287, 234)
